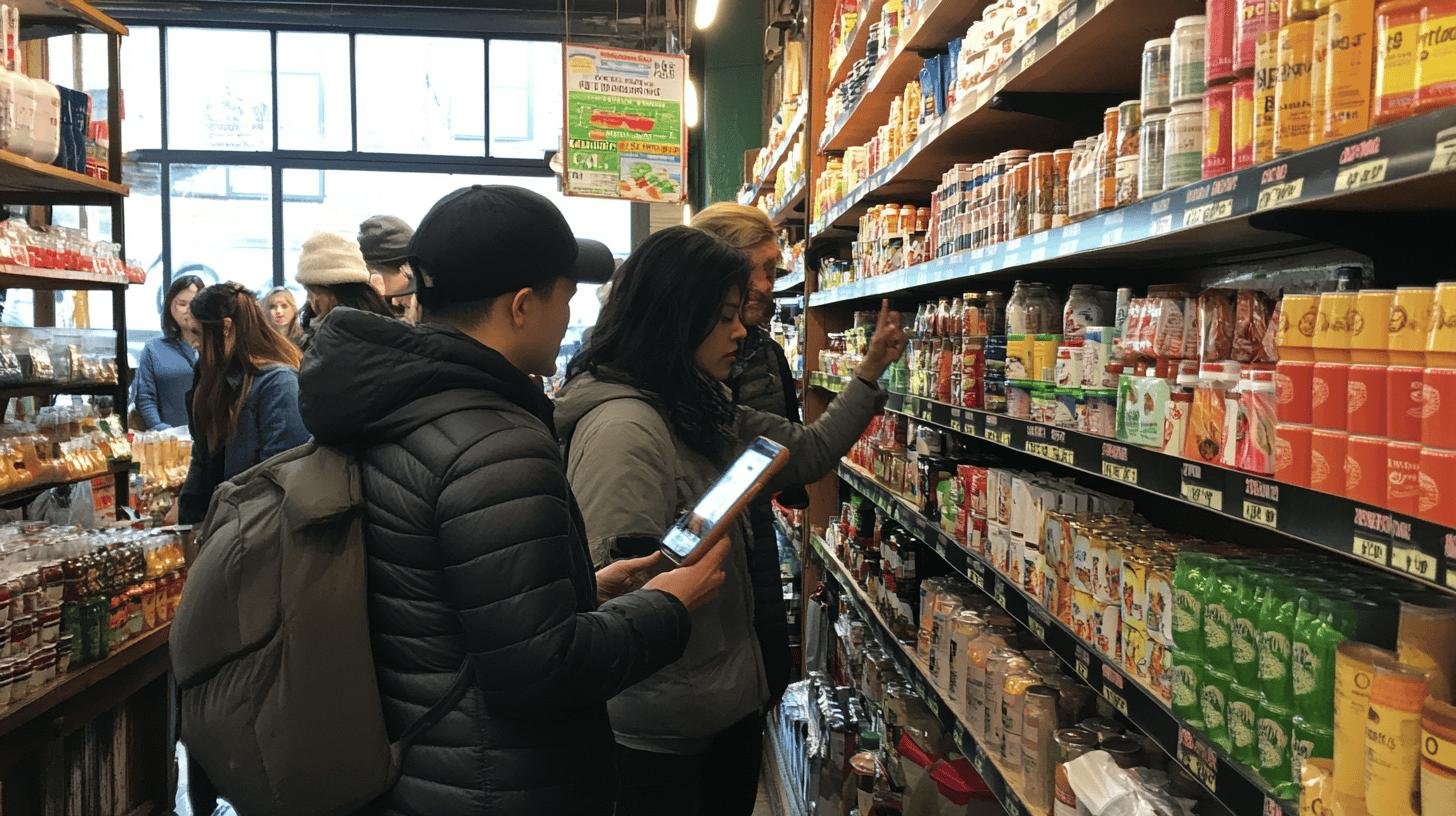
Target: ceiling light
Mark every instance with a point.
(704, 13)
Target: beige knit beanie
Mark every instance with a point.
(329, 259)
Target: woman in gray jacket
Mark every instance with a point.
(649, 426)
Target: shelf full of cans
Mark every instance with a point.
(1021, 686)
(1201, 644)
(1245, 405)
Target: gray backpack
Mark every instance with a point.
(271, 647)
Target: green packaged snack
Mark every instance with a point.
(1276, 637)
(1213, 698)
(1187, 680)
(1190, 581)
(1317, 633)
(1273, 744)
(1244, 624)
(1243, 723)
(1218, 619)
(1308, 740)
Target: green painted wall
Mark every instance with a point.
(732, 97)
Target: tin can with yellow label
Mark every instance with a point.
(1266, 77)
(1397, 46)
(1318, 72)
(1292, 90)
(1351, 45)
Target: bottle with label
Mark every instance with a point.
(1107, 161)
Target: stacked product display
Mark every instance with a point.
(162, 461)
(41, 121)
(63, 444)
(62, 248)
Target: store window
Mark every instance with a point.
(314, 109)
(219, 90)
(421, 95)
(525, 98)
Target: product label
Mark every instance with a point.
(1217, 623)
(1273, 656)
(1245, 641)
(1211, 697)
(1273, 743)
(1241, 724)
(1185, 686)
(1305, 668)
(1187, 612)
(1198, 757)
(1436, 69)
(1395, 69)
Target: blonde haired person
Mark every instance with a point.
(281, 309)
(761, 380)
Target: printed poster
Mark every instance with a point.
(624, 135)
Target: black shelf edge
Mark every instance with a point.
(1239, 789)
(1337, 174)
(1002, 785)
(47, 389)
(1410, 547)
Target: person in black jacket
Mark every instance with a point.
(761, 380)
(476, 546)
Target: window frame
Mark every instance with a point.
(277, 160)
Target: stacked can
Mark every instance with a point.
(1221, 81)
(1156, 102)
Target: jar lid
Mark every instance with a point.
(1161, 116)
(1188, 22)
(1161, 42)
(1189, 107)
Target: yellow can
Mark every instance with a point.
(1299, 9)
(1318, 76)
(1018, 357)
(1370, 328)
(1292, 90)
(1135, 652)
(1436, 65)
(1410, 321)
(1397, 45)
(1441, 336)
(1351, 44)
(1393, 739)
(1044, 357)
(1332, 333)
(1266, 77)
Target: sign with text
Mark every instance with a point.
(624, 134)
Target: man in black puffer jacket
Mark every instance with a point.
(476, 546)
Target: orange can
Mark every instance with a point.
(1332, 333)
(1370, 326)
(1298, 319)
(1410, 320)
(1293, 388)
(1327, 460)
(1438, 398)
(1365, 469)
(1365, 399)
(1441, 332)
(1327, 395)
(1403, 477)
(1218, 130)
(1291, 453)
(1404, 402)
(1243, 123)
(1438, 486)
(1435, 76)
(1397, 46)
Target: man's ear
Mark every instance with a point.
(518, 306)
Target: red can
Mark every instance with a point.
(1218, 130)
(1438, 486)
(1218, 41)
(1403, 477)
(1244, 123)
(1293, 388)
(1255, 17)
(1365, 469)
(1327, 460)
(1438, 391)
(1404, 402)
(1327, 395)
(1291, 453)
(1365, 400)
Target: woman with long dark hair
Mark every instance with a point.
(164, 372)
(332, 269)
(649, 425)
(244, 405)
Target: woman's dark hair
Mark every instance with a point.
(217, 402)
(360, 296)
(170, 329)
(667, 297)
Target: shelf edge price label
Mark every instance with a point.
(999, 593)
(1202, 495)
(1371, 550)
(1445, 156)
(1037, 627)
(1083, 664)
(1261, 514)
(1064, 30)
(1115, 698)
(1122, 473)
(1101, 4)
(1198, 757)
(1279, 194)
(940, 549)
(1360, 175)
(959, 735)
(1208, 213)
(1162, 225)
(1412, 561)
(1028, 60)
(1111, 237)
(1068, 247)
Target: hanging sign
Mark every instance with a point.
(624, 135)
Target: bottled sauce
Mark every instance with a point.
(1107, 161)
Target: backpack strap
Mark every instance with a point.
(429, 719)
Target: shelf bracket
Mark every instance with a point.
(1405, 247)
(1074, 108)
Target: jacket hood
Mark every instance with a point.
(584, 393)
(368, 378)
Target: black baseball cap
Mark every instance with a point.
(482, 241)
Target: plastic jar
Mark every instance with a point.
(1292, 91)
(1129, 121)
(1150, 154)
(1218, 126)
(1183, 145)
(1435, 78)
(1107, 162)
(1061, 186)
(1185, 67)
(1218, 59)
(1155, 78)
(1397, 46)
(1083, 309)
(1438, 755)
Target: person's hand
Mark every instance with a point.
(697, 583)
(621, 577)
(170, 520)
(886, 345)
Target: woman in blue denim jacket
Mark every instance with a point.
(164, 373)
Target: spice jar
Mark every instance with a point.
(1129, 121)
(1061, 182)
(1018, 213)
(1107, 161)
(1043, 173)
